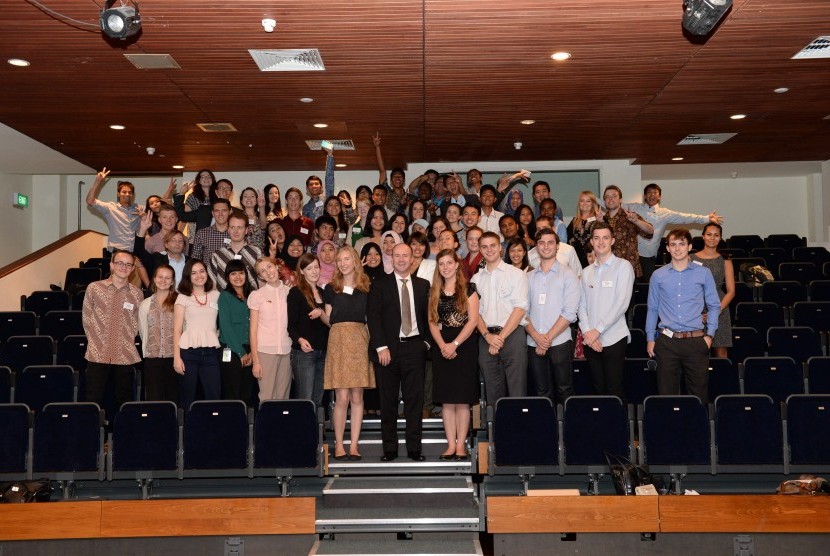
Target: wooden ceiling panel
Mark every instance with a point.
(438, 79)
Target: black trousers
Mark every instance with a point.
(552, 370)
(607, 368)
(405, 373)
(237, 381)
(99, 374)
(161, 383)
(689, 357)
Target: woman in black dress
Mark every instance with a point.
(453, 314)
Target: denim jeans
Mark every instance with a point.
(201, 365)
(308, 374)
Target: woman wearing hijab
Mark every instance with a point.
(326, 253)
(388, 241)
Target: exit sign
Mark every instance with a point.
(20, 200)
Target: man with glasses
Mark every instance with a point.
(502, 348)
(110, 319)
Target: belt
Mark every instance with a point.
(686, 335)
(494, 329)
(409, 338)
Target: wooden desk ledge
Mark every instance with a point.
(572, 514)
(157, 518)
(745, 513)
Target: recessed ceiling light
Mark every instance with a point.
(780, 90)
(528, 122)
(560, 56)
(117, 127)
(341, 165)
(18, 62)
(677, 158)
(737, 116)
(306, 99)
(321, 126)
(178, 167)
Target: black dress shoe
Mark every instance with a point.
(416, 456)
(344, 457)
(389, 456)
(463, 457)
(357, 457)
(449, 457)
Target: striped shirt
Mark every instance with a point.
(220, 259)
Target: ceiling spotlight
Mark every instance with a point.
(341, 165)
(527, 122)
(18, 62)
(120, 22)
(178, 166)
(780, 90)
(560, 56)
(701, 16)
(677, 158)
(321, 126)
(306, 99)
(117, 127)
(269, 25)
(737, 116)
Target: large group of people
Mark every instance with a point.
(404, 292)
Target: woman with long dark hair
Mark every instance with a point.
(273, 204)
(724, 275)
(234, 334)
(196, 208)
(195, 335)
(373, 228)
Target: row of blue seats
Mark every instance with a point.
(19, 352)
(151, 440)
(677, 435)
(784, 293)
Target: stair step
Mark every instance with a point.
(336, 520)
(401, 466)
(372, 422)
(431, 547)
(364, 492)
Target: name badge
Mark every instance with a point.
(592, 219)
(128, 306)
(303, 230)
(542, 298)
(318, 204)
(668, 333)
(607, 283)
(214, 306)
(348, 290)
(226, 241)
(342, 235)
(251, 222)
(698, 263)
(357, 229)
(237, 257)
(226, 355)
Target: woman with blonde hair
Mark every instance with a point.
(588, 213)
(348, 370)
(453, 315)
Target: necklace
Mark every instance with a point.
(201, 302)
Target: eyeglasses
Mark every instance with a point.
(121, 264)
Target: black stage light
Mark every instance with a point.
(701, 16)
(121, 22)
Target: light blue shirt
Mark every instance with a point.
(553, 294)
(676, 300)
(660, 218)
(122, 223)
(606, 293)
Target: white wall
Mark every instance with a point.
(15, 224)
(760, 206)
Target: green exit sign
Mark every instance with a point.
(20, 200)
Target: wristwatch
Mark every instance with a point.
(455, 342)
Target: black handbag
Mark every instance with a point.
(25, 491)
(627, 476)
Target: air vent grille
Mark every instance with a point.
(819, 48)
(153, 61)
(307, 59)
(217, 127)
(337, 144)
(707, 139)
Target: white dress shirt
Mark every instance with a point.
(500, 291)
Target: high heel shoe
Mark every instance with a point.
(446, 457)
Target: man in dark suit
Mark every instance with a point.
(397, 317)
